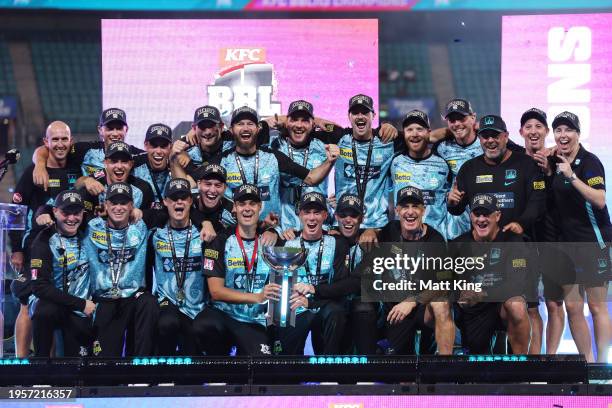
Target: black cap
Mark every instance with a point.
(409, 194)
(159, 131)
(210, 171)
(119, 190)
(491, 122)
(244, 112)
(313, 199)
(112, 115)
(301, 106)
(246, 192)
(485, 201)
(416, 116)
(118, 149)
(209, 113)
(567, 118)
(178, 187)
(361, 100)
(351, 202)
(534, 113)
(69, 199)
(458, 105)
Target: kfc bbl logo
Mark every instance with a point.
(245, 79)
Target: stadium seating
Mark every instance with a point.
(403, 57)
(7, 81)
(477, 74)
(67, 67)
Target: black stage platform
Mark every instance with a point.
(566, 375)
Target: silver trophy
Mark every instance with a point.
(284, 262)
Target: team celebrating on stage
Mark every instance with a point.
(132, 252)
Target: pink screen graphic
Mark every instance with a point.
(162, 70)
(557, 63)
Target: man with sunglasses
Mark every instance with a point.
(90, 156)
(117, 252)
(500, 301)
(60, 280)
(179, 281)
(512, 177)
(153, 167)
(323, 278)
(118, 164)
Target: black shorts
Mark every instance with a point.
(592, 264)
(478, 324)
(21, 288)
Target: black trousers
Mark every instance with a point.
(478, 324)
(77, 331)
(217, 331)
(175, 331)
(401, 336)
(131, 321)
(363, 327)
(327, 325)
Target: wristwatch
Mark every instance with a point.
(573, 177)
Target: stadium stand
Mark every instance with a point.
(477, 74)
(67, 67)
(403, 57)
(7, 81)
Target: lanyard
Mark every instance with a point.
(362, 184)
(249, 265)
(241, 169)
(355, 248)
(65, 263)
(298, 190)
(115, 265)
(158, 193)
(180, 265)
(319, 258)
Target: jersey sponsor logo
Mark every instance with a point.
(209, 264)
(36, 263)
(233, 263)
(98, 237)
(244, 281)
(452, 164)
(264, 193)
(402, 177)
(162, 246)
(90, 170)
(539, 185)
(349, 171)
(97, 174)
(593, 181)
(346, 153)
(519, 263)
(484, 178)
(54, 183)
(494, 256)
(211, 253)
(33, 274)
(234, 178)
(505, 200)
(511, 174)
(17, 198)
(71, 259)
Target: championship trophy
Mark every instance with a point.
(283, 262)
